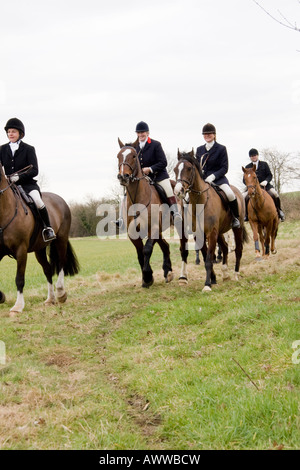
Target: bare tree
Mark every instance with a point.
(283, 20)
(284, 166)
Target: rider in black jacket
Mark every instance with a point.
(14, 157)
(264, 177)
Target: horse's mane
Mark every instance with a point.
(186, 156)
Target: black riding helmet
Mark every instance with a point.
(142, 127)
(209, 129)
(15, 123)
(253, 152)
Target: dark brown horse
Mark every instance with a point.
(217, 217)
(18, 236)
(262, 214)
(143, 217)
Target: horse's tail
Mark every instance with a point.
(71, 265)
(245, 236)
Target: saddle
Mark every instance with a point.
(29, 202)
(221, 194)
(161, 192)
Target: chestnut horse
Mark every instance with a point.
(262, 214)
(217, 217)
(141, 196)
(18, 236)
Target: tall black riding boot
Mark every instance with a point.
(278, 207)
(233, 205)
(48, 232)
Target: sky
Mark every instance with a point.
(80, 74)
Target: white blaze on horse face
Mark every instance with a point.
(125, 153)
(178, 186)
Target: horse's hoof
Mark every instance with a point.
(197, 262)
(147, 284)
(2, 297)
(206, 289)
(14, 313)
(169, 277)
(236, 276)
(183, 281)
(49, 302)
(62, 298)
(274, 252)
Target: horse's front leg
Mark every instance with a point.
(21, 257)
(210, 274)
(147, 270)
(254, 228)
(184, 252)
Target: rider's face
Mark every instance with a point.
(13, 135)
(254, 158)
(209, 137)
(142, 136)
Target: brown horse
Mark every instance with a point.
(142, 200)
(19, 236)
(217, 217)
(262, 214)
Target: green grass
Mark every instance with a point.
(121, 367)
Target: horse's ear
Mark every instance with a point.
(243, 169)
(192, 152)
(178, 154)
(135, 143)
(120, 143)
(254, 167)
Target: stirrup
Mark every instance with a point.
(281, 215)
(48, 234)
(119, 222)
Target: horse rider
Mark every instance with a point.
(213, 159)
(14, 157)
(154, 165)
(264, 177)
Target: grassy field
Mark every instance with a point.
(121, 367)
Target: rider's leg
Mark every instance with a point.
(48, 232)
(233, 204)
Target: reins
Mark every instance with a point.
(134, 178)
(2, 191)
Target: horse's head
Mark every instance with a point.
(250, 180)
(128, 163)
(185, 172)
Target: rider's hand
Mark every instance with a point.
(264, 183)
(210, 179)
(147, 171)
(14, 178)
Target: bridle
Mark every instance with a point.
(191, 181)
(132, 178)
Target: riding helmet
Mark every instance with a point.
(142, 127)
(209, 129)
(253, 152)
(15, 123)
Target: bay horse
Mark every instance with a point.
(217, 218)
(262, 214)
(142, 223)
(20, 236)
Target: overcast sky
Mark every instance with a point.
(80, 74)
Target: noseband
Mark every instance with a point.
(189, 183)
(134, 170)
